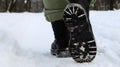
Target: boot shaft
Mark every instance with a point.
(60, 34)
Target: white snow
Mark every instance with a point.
(25, 41)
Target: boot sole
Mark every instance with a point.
(82, 45)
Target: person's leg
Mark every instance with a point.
(54, 13)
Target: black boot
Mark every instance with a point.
(60, 45)
(82, 43)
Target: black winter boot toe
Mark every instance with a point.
(60, 53)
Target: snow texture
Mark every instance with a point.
(25, 41)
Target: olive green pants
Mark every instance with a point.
(54, 9)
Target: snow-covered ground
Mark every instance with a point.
(25, 41)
